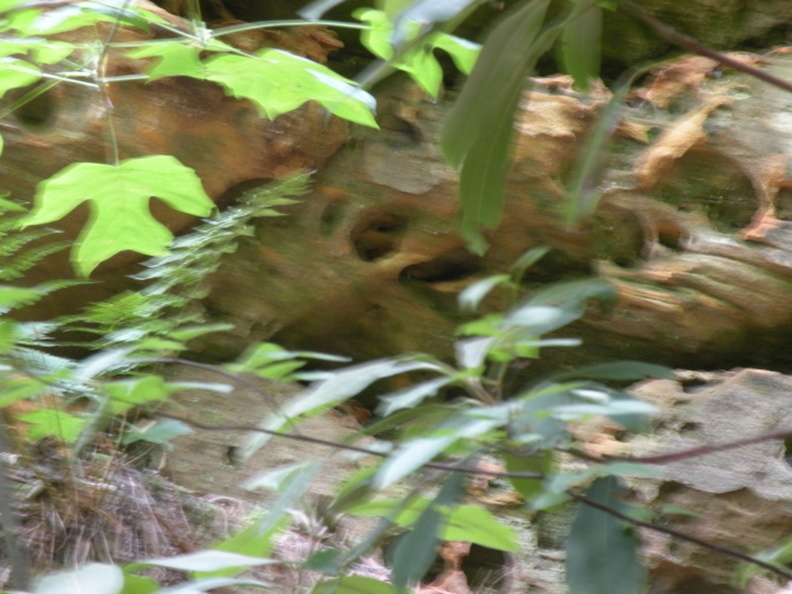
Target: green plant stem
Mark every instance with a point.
(287, 23)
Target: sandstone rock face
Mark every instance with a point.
(741, 497)
(691, 227)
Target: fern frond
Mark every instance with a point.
(178, 278)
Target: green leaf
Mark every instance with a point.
(416, 551)
(508, 54)
(581, 44)
(353, 584)
(410, 397)
(119, 196)
(96, 578)
(208, 560)
(160, 432)
(89, 14)
(174, 58)
(464, 53)
(470, 297)
(527, 260)
(323, 395)
(619, 370)
(15, 73)
(135, 584)
(377, 38)
(471, 523)
(414, 453)
(48, 422)
(602, 549)
(276, 478)
(278, 82)
(537, 462)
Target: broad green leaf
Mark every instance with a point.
(472, 352)
(51, 51)
(207, 560)
(424, 16)
(278, 82)
(135, 584)
(575, 412)
(779, 555)
(160, 432)
(601, 549)
(312, 11)
(174, 58)
(89, 14)
(48, 422)
(137, 391)
(96, 578)
(7, 5)
(527, 260)
(464, 53)
(416, 59)
(472, 523)
(424, 69)
(275, 479)
(15, 73)
(410, 397)
(415, 551)
(377, 38)
(323, 395)
(470, 297)
(619, 370)
(506, 58)
(581, 44)
(258, 537)
(414, 453)
(119, 197)
(477, 133)
(584, 189)
(573, 295)
(540, 462)
(353, 584)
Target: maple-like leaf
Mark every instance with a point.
(278, 82)
(119, 198)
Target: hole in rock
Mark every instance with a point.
(711, 184)
(619, 238)
(788, 451)
(455, 264)
(784, 204)
(377, 235)
(688, 427)
(669, 235)
(486, 570)
(37, 114)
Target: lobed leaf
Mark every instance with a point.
(119, 197)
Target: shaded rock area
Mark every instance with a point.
(739, 499)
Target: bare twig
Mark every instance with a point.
(684, 41)
(681, 536)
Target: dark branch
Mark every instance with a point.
(675, 37)
(682, 536)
